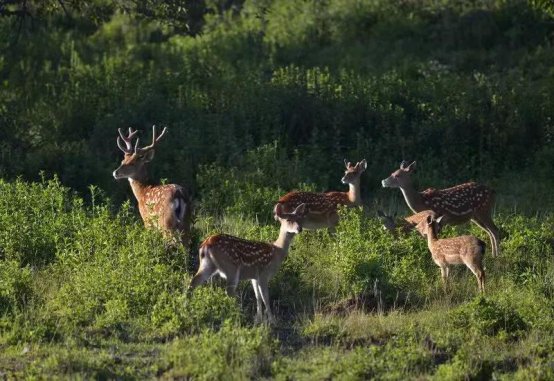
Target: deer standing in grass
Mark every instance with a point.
(468, 250)
(459, 204)
(404, 225)
(236, 259)
(168, 206)
(322, 207)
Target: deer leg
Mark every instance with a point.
(481, 280)
(264, 291)
(444, 276)
(479, 274)
(206, 269)
(486, 223)
(332, 222)
(258, 294)
(232, 282)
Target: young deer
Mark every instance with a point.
(467, 249)
(167, 207)
(236, 259)
(322, 207)
(405, 225)
(459, 204)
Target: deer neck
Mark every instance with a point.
(431, 238)
(139, 185)
(284, 240)
(413, 198)
(354, 195)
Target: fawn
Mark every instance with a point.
(236, 258)
(467, 249)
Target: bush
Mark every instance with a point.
(488, 317)
(15, 287)
(230, 353)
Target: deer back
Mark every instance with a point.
(316, 203)
(459, 202)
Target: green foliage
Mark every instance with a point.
(15, 286)
(338, 78)
(207, 307)
(246, 189)
(232, 353)
(488, 317)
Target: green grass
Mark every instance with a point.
(106, 300)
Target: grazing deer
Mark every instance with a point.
(467, 249)
(459, 204)
(168, 206)
(405, 225)
(322, 207)
(236, 259)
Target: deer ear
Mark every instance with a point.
(362, 165)
(300, 209)
(278, 210)
(429, 220)
(149, 155)
(346, 163)
(403, 164)
(439, 219)
(411, 167)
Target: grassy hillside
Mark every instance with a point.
(261, 97)
(90, 294)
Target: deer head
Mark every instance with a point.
(291, 222)
(400, 178)
(353, 172)
(135, 158)
(431, 225)
(388, 221)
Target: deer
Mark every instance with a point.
(322, 208)
(468, 250)
(167, 207)
(405, 225)
(458, 204)
(238, 259)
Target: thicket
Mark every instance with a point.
(467, 90)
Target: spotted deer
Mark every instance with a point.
(236, 259)
(322, 207)
(468, 250)
(459, 204)
(168, 206)
(405, 225)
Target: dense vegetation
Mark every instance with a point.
(261, 97)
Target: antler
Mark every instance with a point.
(155, 139)
(128, 140)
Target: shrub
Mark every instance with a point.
(231, 353)
(15, 287)
(488, 317)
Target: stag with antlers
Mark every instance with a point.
(236, 259)
(322, 207)
(457, 205)
(168, 206)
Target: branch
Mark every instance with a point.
(64, 9)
